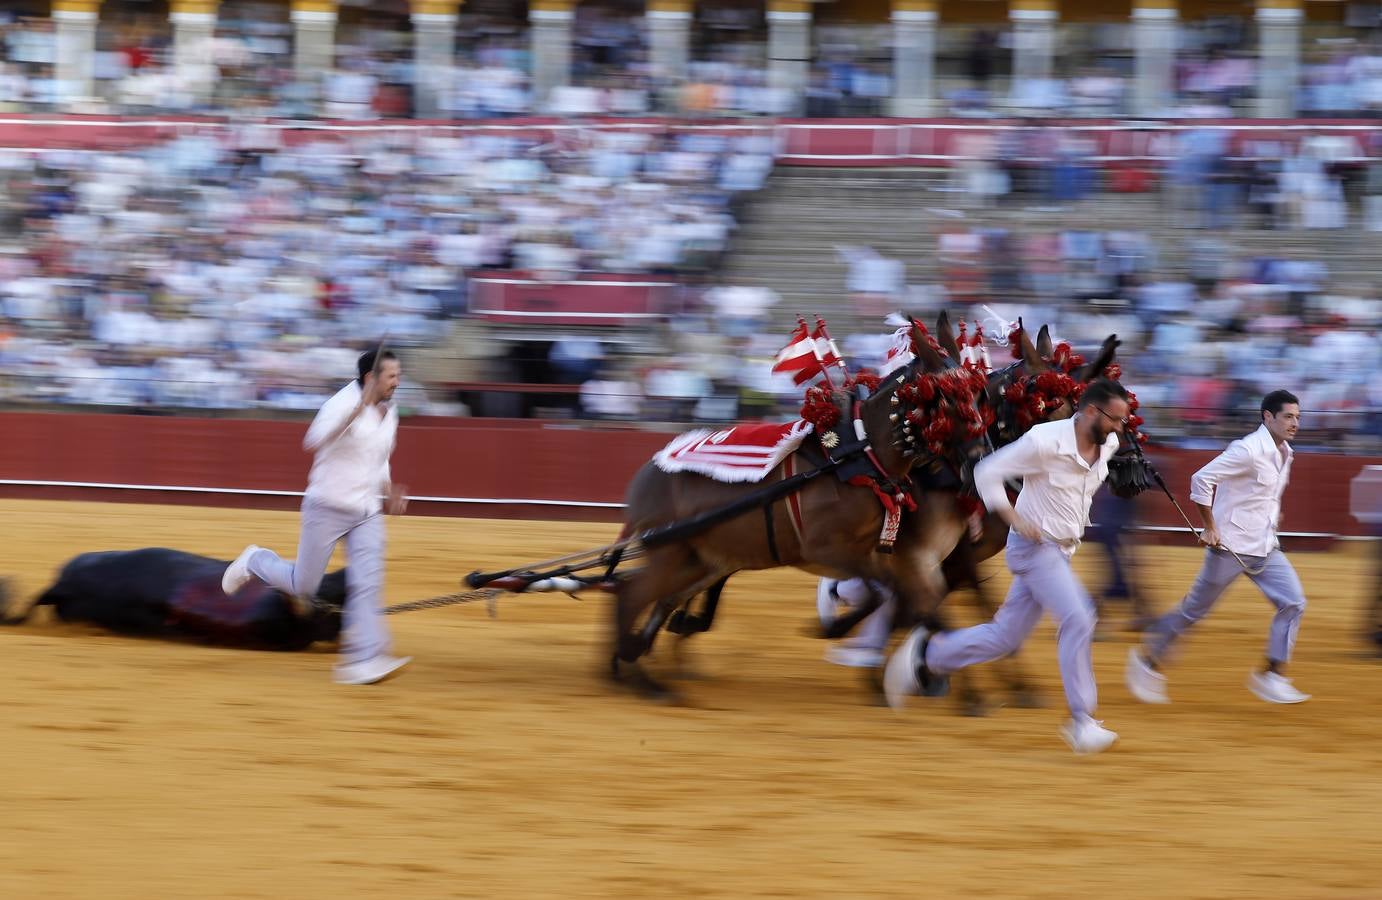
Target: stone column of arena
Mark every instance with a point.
(434, 52)
(1155, 23)
(914, 57)
(74, 23)
(669, 32)
(194, 30)
(1278, 57)
(314, 38)
(551, 47)
(1034, 29)
(789, 49)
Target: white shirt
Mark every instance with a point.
(351, 472)
(1244, 485)
(1057, 484)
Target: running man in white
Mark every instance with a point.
(1239, 498)
(1061, 464)
(352, 438)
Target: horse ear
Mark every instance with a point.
(1030, 357)
(945, 336)
(1043, 344)
(1101, 362)
(930, 360)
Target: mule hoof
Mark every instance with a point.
(676, 622)
(683, 623)
(633, 676)
(832, 632)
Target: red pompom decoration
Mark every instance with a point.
(819, 409)
(867, 379)
(937, 434)
(1113, 371)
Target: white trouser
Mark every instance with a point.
(363, 633)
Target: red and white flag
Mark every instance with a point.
(829, 353)
(801, 357)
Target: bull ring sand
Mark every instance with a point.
(503, 765)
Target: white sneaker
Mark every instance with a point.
(1274, 688)
(371, 671)
(238, 572)
(826, 600)
(1144, 682)
(1086, 735)
(854, 657)
(900, 677)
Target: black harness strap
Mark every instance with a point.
(772, 533)
(680, 531)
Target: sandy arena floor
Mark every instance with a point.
(502, 765)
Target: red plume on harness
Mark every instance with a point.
(870, 380)
(940, 409)
(1134, 420)
(819, 409)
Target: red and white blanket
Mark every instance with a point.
(741, 453)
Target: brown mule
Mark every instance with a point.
(960, 566)
(839, 532)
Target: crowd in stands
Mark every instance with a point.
(207, 274)
(200, 274)
(1201, 346)
(247, 69)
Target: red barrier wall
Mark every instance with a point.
(802, 142)
(485, 459)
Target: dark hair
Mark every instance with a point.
(1102, 390)
(1273, 402)
(366, 363)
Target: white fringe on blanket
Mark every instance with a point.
(743, 453)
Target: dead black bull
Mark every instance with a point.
(164, 593)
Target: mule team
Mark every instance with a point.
(1057, 422)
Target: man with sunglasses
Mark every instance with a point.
(1061, 464)
(1239, 498)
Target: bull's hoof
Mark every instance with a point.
(1026, 698)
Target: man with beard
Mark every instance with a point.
(1061, 464)
(1239, 498)
(349, 486)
